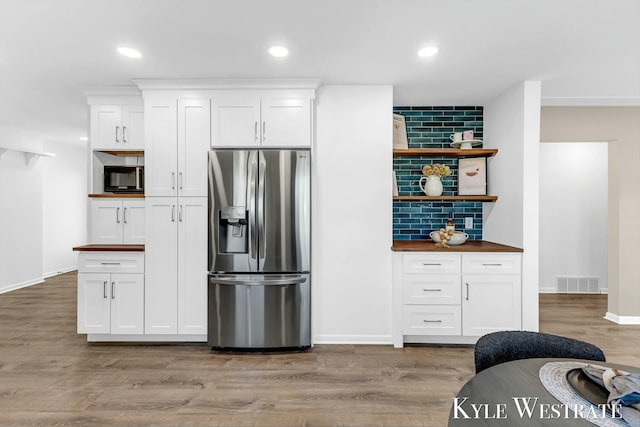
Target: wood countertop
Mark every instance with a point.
(109, 248)
(469, 246)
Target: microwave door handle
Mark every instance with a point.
(253, 174)
(262, 165)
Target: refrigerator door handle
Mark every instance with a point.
(262, 246)
(253, 177)
(282, 280)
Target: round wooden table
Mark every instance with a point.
(493, 390)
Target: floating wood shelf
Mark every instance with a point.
(446, 198)
(117, 196)
(122, 153)
(447, 152)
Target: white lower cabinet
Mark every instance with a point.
(176, 265)
(110, 301)
(456, 297)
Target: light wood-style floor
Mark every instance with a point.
(49, 375)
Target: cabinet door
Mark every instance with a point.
(286, 122)
(194, 142)
(235, 121)
(192, 265)
(133, 127)
(133, 222)
(106, 221)
(161, 263)
(106, 128)
(490, 303)
(161, 148)
(127, 303)
(93, 303)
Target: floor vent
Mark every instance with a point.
(578, 285)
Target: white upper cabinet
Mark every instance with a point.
(242, 120)
(161, 148)
(235, 121)
(117, 127)
(117, 221)
(178, 136)
(286, 122)
(194, 140)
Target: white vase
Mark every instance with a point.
(431, 185)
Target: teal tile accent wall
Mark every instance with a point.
(430, 127)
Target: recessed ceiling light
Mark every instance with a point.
(84, 138)
(428, 51)
(278, 51)
(129, 52)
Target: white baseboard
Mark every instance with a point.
(602, 291)
(60, 271)
(622, 320)
(14, 286)
(146, 338)
(353, 339)
(547, 290)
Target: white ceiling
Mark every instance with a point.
(584, 51)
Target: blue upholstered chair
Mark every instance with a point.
(504, 346)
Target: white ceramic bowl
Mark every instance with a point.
(458, 238)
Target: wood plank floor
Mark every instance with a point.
(49, 375)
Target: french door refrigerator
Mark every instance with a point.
(259, 249)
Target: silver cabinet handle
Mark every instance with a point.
(180, 180)
(124, 134)
(113, 295)
(180, 214)
(255, 130)
(124, 215)
(431, 290)
(109, 263)
(104, 289)
(117, 215)
(264, 131)
(173, 180)
(431, 321)
(492, 265)
(437, 264)
(173, 213)
(117, 137)
(467, 285)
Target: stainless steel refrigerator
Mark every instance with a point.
(259, 249)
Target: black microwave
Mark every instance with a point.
(124, 179)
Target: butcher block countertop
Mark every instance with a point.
(468, 246)
(109, 248)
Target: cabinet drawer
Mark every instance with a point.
(432, 320)
(491, 264)
(441, 289)
(111, 262)
(431, 263)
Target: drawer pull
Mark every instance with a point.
(427, 264)
(467, 285)
(110, 263)
(431, 290)
(432, 321)
(492, 265)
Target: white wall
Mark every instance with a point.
(512, 124)
(64, 206)
(20, 210)
(352, 215)
(42, 208)
(573, 212)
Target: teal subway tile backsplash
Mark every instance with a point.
(430, 127)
